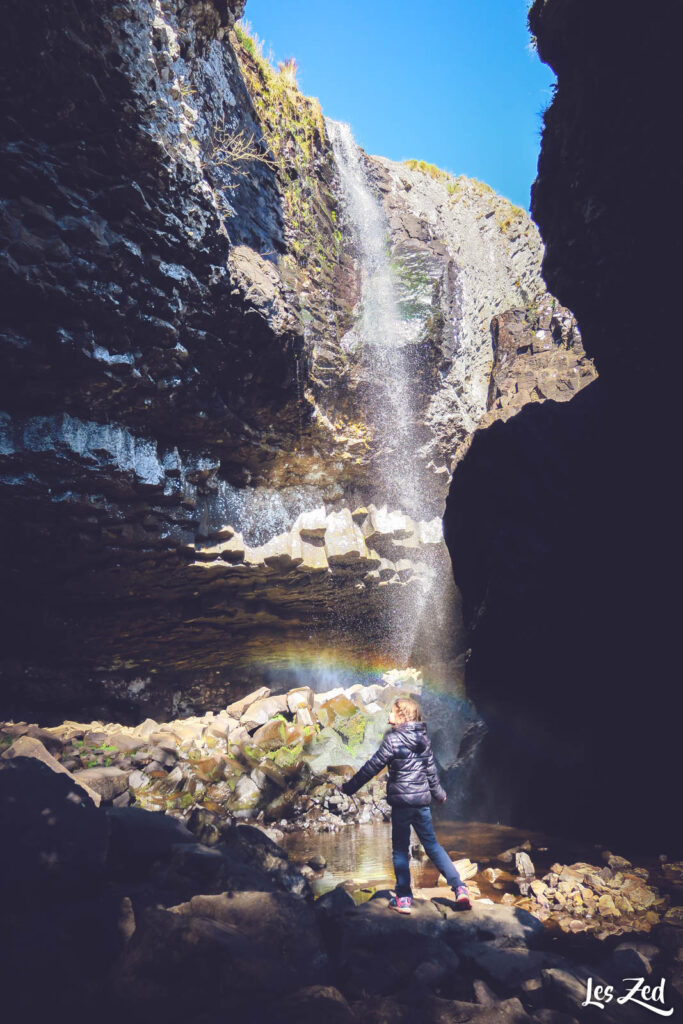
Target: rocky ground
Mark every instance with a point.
(126, 914)
(191, 913)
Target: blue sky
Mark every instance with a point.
(453, 82)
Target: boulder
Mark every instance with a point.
(108, 782)
(247, 796)
(54, 839)
(321, 696)
(191, 868)
(271, 735)
(313, 558)
(335, 901)
(281, 553)
(506, 968)
(146, 728)
(627, 961)
(301, 697)
(506, 925)
(125, 742)
(368, 972)
(325, 749)
(27, 747)
(524, 864)
(269, 919)
(304, 717)
(187, 967)
(336, 707)
(260, 711)
(139, 837)
(483, 994)
(238, 707)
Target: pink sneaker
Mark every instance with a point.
(462, 898)
(403, 904)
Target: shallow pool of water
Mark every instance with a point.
(362, 853)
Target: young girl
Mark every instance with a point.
(413, 780)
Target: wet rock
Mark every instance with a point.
(524, 864)
(335, 901)
(491, 874)
(304, 717)
(165, 755)
(124, 742)
(326, 749)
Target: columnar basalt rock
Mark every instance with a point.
(180, 387)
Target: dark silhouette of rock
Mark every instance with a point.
(560, 522)
(55, 840)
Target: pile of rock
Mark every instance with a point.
(275, 758)
(612, 899)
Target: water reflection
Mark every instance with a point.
(362, 853)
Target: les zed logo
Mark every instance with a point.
(601, 994)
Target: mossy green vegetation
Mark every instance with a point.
(294, 130)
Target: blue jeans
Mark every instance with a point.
(421, 820)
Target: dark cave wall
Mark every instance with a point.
(560, 522)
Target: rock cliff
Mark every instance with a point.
(182, 374)
(559, 520)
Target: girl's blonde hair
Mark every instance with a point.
(406, 710)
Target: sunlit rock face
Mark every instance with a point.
(188, 380)
(559, 520)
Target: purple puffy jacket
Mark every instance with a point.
(413, 776)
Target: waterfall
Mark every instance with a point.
(379, 337)
(382, 341)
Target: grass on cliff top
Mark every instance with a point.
(294, 130)
(452, 183)
(508, 216)
(430, 169)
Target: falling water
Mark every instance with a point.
(381, 341)
(379, 337)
